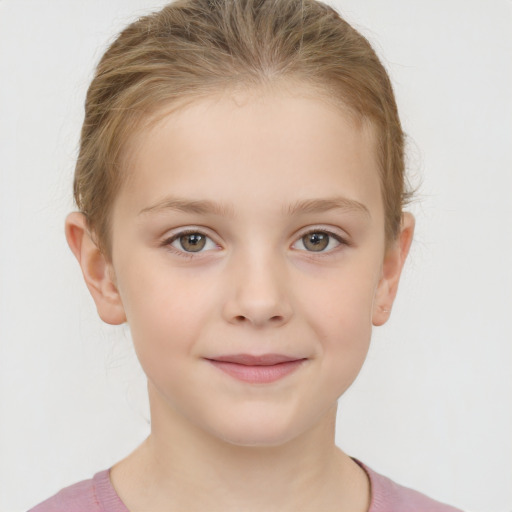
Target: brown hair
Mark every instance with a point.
(192, 48)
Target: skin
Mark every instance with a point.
(256, 287)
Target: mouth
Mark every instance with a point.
(260, 369)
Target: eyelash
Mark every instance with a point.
(167, 243)
(341, 241)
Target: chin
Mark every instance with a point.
(258, 439)
(257, 432)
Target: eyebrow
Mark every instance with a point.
(324, 205)
(201, 207)
(205, 207)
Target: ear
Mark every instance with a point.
(98, 272)
(392, 266)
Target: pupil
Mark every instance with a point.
(316, 241)
(193, 242)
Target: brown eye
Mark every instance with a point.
(192, 242)
(323, 242)
(316, 241)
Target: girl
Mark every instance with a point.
(240, 186)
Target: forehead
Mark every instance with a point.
(282, 144)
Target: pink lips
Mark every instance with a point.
(257, 369)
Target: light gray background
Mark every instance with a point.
(432, 406)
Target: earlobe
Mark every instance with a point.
(97, 270)
(392, 267)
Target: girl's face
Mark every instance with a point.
(251, 230)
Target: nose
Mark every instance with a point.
(258, 293)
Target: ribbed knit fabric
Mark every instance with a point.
(98, 495)
(387, 496)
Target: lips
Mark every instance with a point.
(262, 360)
(260, 369)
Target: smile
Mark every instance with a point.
(257, 369)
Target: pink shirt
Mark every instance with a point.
(98, 495)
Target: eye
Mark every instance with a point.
(319, 241)
(190, 242)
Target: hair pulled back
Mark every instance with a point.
(193, 48)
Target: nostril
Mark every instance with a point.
(274, 319)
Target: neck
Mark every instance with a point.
(181, 465)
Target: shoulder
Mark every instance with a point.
(388, 496)
(94, 495)
(79, 497)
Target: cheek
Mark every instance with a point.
(166, 313)
(346, 332)
(158, 294)
(342, 301)
(340, 314)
